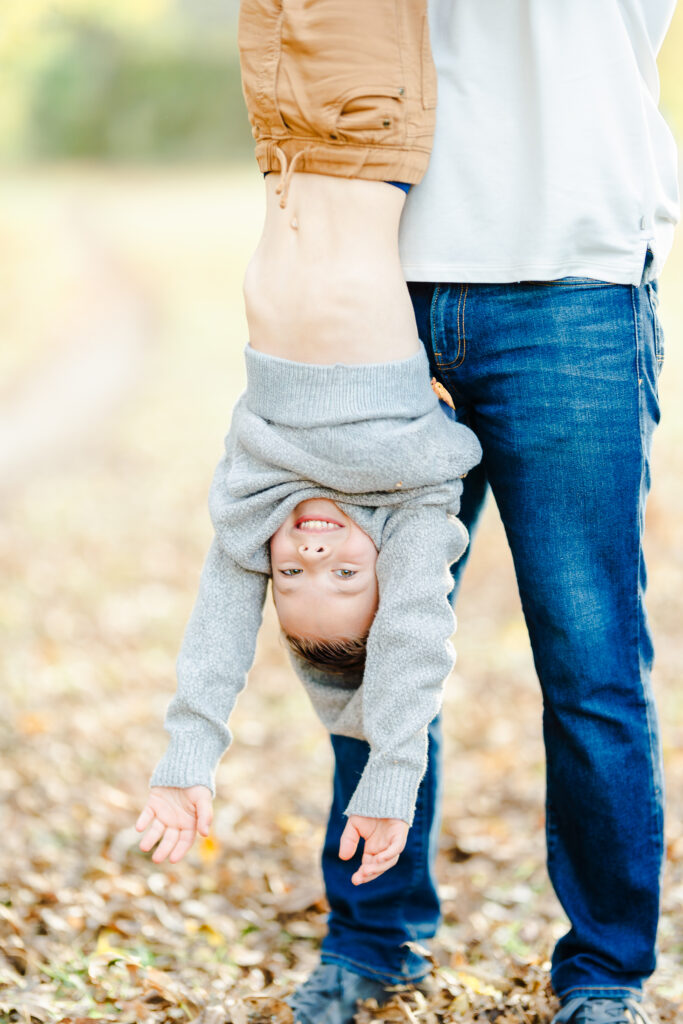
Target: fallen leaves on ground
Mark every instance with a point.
(100, 556)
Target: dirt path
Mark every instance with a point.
(91, 361)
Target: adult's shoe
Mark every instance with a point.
(330, 995)
(600, 1010)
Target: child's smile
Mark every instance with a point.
(324, 582)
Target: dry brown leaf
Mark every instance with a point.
(302, 898)
(238, 1014)
(96, 590)
(405, 1009)
(12, 919)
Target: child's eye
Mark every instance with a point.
(344, 574)
(291, 572)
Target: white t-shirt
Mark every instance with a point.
(550, 155)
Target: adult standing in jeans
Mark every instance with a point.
(532, 249)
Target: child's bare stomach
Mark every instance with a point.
(325, 284)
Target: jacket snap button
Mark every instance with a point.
(332, 135)
(386, 123)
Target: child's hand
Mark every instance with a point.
(384, 840)
(174, 816)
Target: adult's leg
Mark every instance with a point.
(560, 383)
(475, 485)
(368, 923)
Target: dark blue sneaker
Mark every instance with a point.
(600, 1010)
(330, 995)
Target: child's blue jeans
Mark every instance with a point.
(559, 381)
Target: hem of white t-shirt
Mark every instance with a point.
(504, 273)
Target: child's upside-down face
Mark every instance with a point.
(324, 582)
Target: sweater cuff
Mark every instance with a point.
(188, 761)
(310, 394)
(386, 791)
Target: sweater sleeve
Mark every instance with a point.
(216, 653)
(409, 656)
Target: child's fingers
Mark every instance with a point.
(383, 849)
(183, 845)
(379, 859)
(166, 845)
(348, 842)
(146, 815)
(366, 873)
(153, 835)
(204, 811)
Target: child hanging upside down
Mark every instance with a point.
(341, 477)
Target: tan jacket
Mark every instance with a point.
(341, 87)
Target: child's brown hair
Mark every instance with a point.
(335, 655)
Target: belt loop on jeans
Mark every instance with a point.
(647, 275)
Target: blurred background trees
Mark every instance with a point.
(149, 80)
(134, 80)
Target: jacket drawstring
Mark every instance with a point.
(285, 173)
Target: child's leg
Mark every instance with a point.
(341, 96)
(330, 289)
(339, 87)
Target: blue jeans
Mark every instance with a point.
(559, 382)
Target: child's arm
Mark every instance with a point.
(409, 656)
(216, 653)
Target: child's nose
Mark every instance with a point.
(313, 550)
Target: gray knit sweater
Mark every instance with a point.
(374, 439)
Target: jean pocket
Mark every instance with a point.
(653, 299)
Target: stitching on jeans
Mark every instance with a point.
(659, 333)
(452, 362)
(655, 790)
(457, 324)
(432, 309)
(464, 336)
(457, 361)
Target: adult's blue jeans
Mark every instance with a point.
(559, 382)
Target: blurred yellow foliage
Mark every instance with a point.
(209, 848)
(671, 73)
(24, 20)
(104, 945)
(153, 71)
(477, 985)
